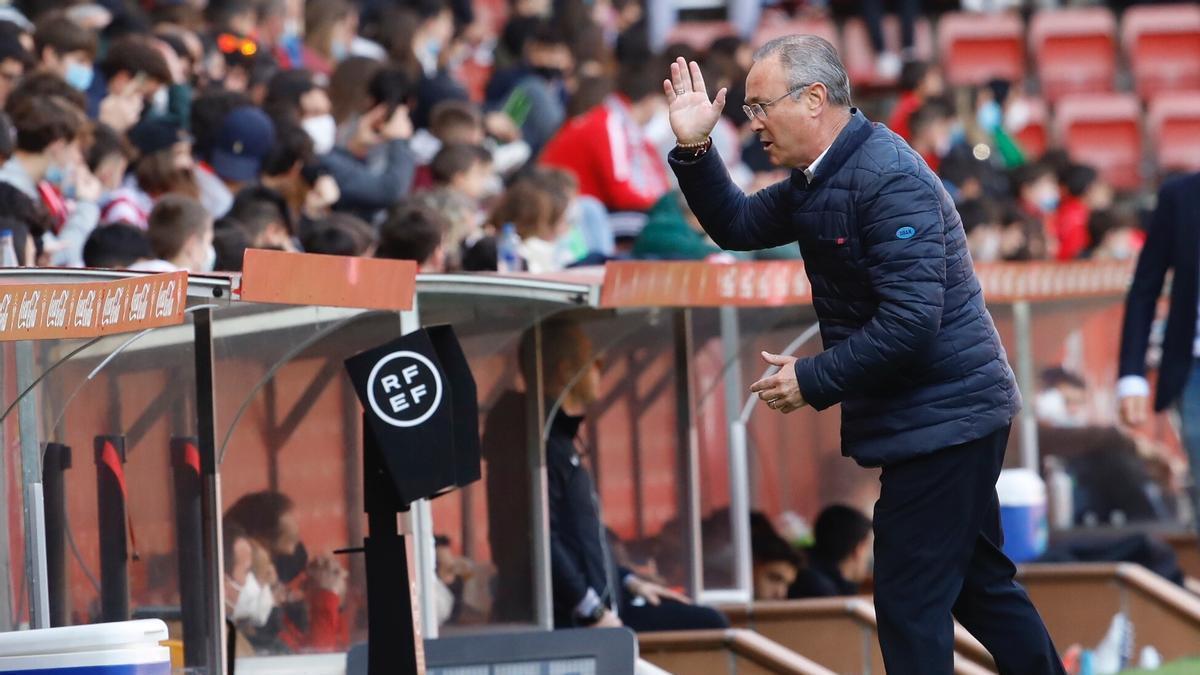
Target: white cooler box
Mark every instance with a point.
(126, 648)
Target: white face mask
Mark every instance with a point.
(1052, 409)
(1018, 116)
(254, 602)
(159, 101)
(323, 131)
(493, 186)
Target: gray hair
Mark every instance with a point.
(807, 59)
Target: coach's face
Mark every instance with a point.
(786, 126)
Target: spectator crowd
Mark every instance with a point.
(174, 135)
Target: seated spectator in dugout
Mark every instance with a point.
(589, 588)
(840, 559)
(776, 566)
(307, 592)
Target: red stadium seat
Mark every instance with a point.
(978, 47)
(776, 25)
(1033, 137)
(859, 57)
(1163, 46)
(1173, 121)
(1074, 50)
(699, 34)
(1103, 130)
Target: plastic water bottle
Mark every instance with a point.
(508, 250)
(1060, 489)
(8, 252)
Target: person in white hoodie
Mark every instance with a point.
(48, 166)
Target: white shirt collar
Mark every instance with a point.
(811, 169)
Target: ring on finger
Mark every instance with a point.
(680, 91)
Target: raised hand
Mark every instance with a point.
(692, 114)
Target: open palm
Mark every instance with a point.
(692, 114)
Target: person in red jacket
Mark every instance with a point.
(1082, 193)
(919, 82)
(606, 149)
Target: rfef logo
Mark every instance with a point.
(404, 389)
(906, 233)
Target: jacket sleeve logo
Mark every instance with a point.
(906, 233)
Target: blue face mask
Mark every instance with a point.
(958, 135)
(55, 175)
(79, 76)
(338, 51)
(990, 116)
(1048, 203)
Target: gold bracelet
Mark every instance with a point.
(692, 146)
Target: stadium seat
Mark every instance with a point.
(699, 34)
(859, 57)
(1033, 137)
(775, 25)
(1103, 130)
(1173, 122)
(1074, 50)
(1163, 46)
(978, 47)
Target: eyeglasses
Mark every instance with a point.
(759, 110)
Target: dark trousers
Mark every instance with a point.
(873, 14)
(670, 615)
(937, 553)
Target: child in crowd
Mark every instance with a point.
(181, 237)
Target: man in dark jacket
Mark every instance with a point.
(1171, 244)
(911, 352)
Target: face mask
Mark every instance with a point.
(943, 145)
(428, 56)
(210, 259)
(957, 134)
(338, 51)
(254, 602)
(1048, 202)
(56, 175)
(989, 116)
(1017, 117)
(493, 186)
(159, 101)
(291, 29)
(323, 131)
(79, 76)
(290, 566)
(548, 73)
(1052, 409)
(433, 49)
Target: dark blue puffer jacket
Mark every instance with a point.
(911, 352)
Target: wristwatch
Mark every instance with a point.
(594, 617)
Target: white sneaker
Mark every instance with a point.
(887, 66)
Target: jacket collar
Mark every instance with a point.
(853, 135)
